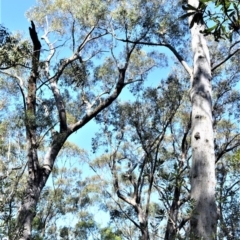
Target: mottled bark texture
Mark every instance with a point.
(204, 217)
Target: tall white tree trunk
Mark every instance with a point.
(204, 218)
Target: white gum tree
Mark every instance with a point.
(204, 217)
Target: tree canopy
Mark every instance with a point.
(159, 82)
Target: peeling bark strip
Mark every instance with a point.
(204, 217)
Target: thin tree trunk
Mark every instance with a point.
(143, 223)
(145, 235)
(204, 217)
(171, 230)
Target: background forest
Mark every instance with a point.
(158, 84)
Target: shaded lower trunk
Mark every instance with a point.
(144, 231)
(28, 211)
(36, 182)
(171, 230)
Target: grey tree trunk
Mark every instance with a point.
(171, 230)
(204, 217)
(36, 181)
(143, 223)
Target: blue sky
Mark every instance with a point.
(12, 14)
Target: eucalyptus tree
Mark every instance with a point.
(12, 184)
(227, 142)
(89, 51)
(12, 163)
(60, 94)
(227, 197)
(138, 152)
(127, 136)
(203, 159)
(204, 219)
(203, 182)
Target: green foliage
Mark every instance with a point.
(236, 160)
(137, 144)
(87, 13)
(84, 229)
(14, 51)
(142, 145)
(222, 17)
(64, 233)
(109, 234)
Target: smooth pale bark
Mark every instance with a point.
(204, 217)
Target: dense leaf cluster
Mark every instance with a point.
(222, 17)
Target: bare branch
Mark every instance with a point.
(170, 47)
(183, 222)
(19, 83)
(105, 103)
(230, 188)
(86, 40)
(233, 45)
(225, 60)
